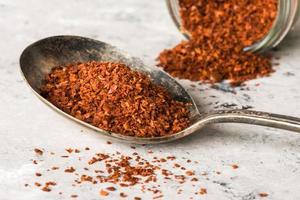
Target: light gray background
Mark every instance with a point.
(268, 159)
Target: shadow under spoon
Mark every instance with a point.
(39, 58)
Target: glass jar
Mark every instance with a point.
(288, 13)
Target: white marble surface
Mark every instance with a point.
(268, 159)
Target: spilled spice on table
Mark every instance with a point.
(263, 194)
(114, 172)
(219, 31)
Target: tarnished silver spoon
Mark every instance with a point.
(39, 58)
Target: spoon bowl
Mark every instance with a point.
(38, 59)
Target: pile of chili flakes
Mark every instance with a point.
(115, 98)
(219, 31)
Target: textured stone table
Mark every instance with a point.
(268, 159)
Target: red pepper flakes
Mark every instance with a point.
(263, 194)
(219, 31)
(158, 197)
(234, 166)
(47, 185)
(190, 173)
(108, 142)
(137, 198)
(87, 148)
(87, 178)
(171, 157)
(123, 195)
(74, 196)
(194, 179)
(203, 191)
(37, 184)
(103, 193)
(54, 168)
(128, 171)
(70, 170)
(38, 151)
(77, 151)
(177, 165)
(115, 98)
(111, 188)
(69, 150)
(38, 174)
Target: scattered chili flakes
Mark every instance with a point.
(77, 151)
(70, 170)
(108, 142)
(69, 150)
(115, 98)
(203, 191)
(54, 168)
(123, 195)
(103, 193)
(234, 166)
(127, 171)
(37, 184)
(38, 151)
(219, 31)
(86, 178)
(137, 198)
(190, 173)
(38, 174)
(111, 188)
(46, 189)
(158, 197)
(263, 194)
(47, 185)
(177, 165)
(74, 196)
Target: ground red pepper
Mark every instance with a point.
(120, 170)
(219, 31)
(115, 98)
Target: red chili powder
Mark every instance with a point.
(113, 97)
(219, 31)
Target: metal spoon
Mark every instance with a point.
(39, 58)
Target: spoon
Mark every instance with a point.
(39, 58)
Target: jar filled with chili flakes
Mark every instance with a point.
(284, 14)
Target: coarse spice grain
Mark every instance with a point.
(115, 98)
(219, 31)
(114, 172)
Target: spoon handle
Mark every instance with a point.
(255, 118)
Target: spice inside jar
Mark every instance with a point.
(219, 31)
